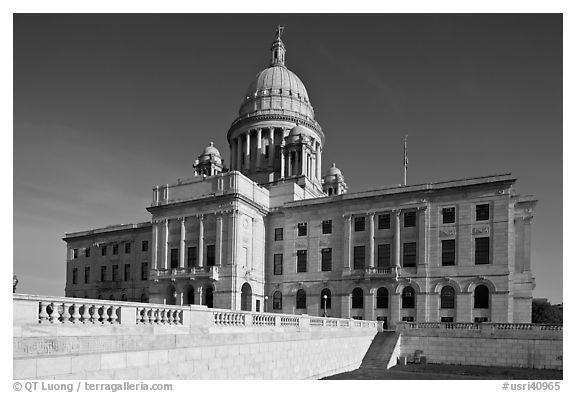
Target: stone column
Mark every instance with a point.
(369, 305)
(347, 241)
(247, 166)
(258, 147)
(239, 153)
(201, 241)
(198, 299)
(231, 249)
(218, 240)
(319, 162)
(182, 242)
(154, 244)
(422, 253)
(289, 154)
(371, 239)
(271, 148)
(282, 159)
(526, 243)
(397, 245)
(394, 310)
(303, 159)
(345, 311)
(166, 236)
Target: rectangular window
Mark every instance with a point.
(87, 252)
(383, 255)
(127, 272)
(302, 229)
(483, 212)
(115, 249)
(266, 151)
(407, 319)
(447, 319)
(384, 221)
(448, 215)
(359, 257)
(75, 253)
(144, 271)
(174, 258)
(409, 254)
(210, 255)
(278, 234)
(86, 274)
(192, 257)
(278, 264)
(302, 259)
(127, 248)
(75, 275)
(102, 273)
(326, 259)
(114, 272)
(480, 319)
(359, 224)
(326, 226)
(448, 252)
(409, 219)
(482, 250)
(104, 250)
(144, 245)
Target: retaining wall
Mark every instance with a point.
(145, 341)
(505, 345)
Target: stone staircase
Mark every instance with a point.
(380, 351)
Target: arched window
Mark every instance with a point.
(301, 299)
(408, 297)
(190, 295)
(382, 298)
(277, 301)
(124, 297)
(143, 298)
(447, 297)
(481, 297)
(357, 298)
(246, 297)
(112, 297)
(326, 303)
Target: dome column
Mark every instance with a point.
(259, 152)
(271, 147)
(233, 154)
(318, 161)
(282, 158)
(238, 153)
(247, 166)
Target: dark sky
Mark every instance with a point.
(108, 106)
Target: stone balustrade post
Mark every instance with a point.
(248, 319)
(304, 322)
(277, 320)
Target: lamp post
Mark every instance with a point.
(325, 299)
(265, 301)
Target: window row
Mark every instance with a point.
(408, 298)
(448, 217)
(104, 250)
(384, 256)
(115, 273)
(191, 256)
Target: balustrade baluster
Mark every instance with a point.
(76, 313)
(86, 313)
(105, 317)
(113, 315)
(43, 316)
(54, 314)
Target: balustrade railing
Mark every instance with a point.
(495, 326)
(54, 310)
(76, 312)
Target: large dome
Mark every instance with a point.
(276, 94)
(276, 89)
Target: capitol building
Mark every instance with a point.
(274, 229)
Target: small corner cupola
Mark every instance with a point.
(209, 163)
(278, 49)
(333, 182)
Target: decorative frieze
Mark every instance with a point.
(481, 230)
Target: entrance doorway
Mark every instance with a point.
(246, 297)
(210, 297)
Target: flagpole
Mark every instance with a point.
(405, 157)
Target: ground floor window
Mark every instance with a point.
(407, 319)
